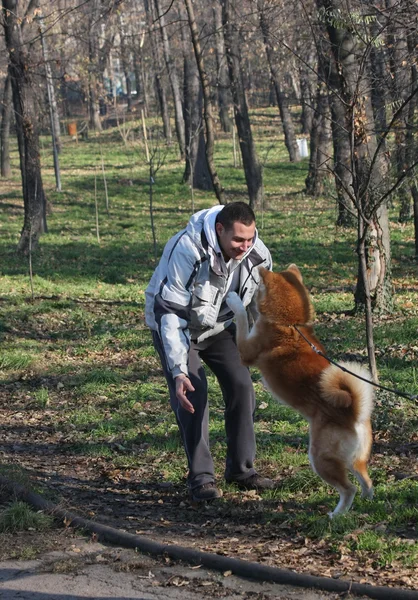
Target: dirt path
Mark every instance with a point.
(91, 570)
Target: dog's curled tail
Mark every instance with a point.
(341, 389)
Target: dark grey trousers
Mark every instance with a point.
(221, 355)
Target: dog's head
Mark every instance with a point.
(283, 298)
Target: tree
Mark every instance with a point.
(308, 81)
(26, 118)
(222, 80)
(125, 59)
(93, 19)
(207, 102)
(52, 106)
(252, 166)
(6, 117)
(95, 26)
(400, 88)
(174, 82)
(137, 39)
(158, 70)
(196, 172)
(411, 137)
(320, 141)
(282, 100)
(368, 165)
(341, 140)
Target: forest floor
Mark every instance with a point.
(84, 413)
(95, 489)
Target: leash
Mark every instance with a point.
(413, 397)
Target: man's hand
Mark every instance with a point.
(183, 385)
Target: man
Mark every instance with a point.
(217, 253)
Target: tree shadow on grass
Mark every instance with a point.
(12, 208)
(140, 500)
(118, 261)
(86, 262)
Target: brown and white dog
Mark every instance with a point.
(336, 404)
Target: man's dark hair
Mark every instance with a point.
(233, 212)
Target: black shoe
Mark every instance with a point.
(255, 482)
(205, 493)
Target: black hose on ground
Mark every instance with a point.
(237, 566)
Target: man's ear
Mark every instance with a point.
(219, 228)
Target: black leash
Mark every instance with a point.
(382, 387)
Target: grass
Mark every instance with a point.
(15, 360)
(19, 516)
(80, 358)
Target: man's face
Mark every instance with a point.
(235, 242)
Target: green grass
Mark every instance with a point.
(41, 397)
(80, 354)
(15, 360)
(19, 516)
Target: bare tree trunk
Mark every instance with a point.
(93, 100)
(94, 106)
(343, 172)
(282, 101)
(367, 300)
(414, 191)
(307, 91)
(139, 84)
(252, 166)
(368, 163)
(125, 60)
(53, 108)
(26, 124)
(137, 43)
(98, 56)
(208, 108)
(193, 104)
(411, 137)
(320, 142)
(401, 88)
(378, 261)
(222, 80)
(63, 85)
(378, 74)
(163, 104)
(158, 66)
(201, 174)
(104, 61)
(172, 75)
(6, 117)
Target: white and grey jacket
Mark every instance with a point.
(185, 298)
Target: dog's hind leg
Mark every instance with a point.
(333, 471)
(359, 470)
(359, 466)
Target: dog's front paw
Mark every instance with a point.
(234, 302)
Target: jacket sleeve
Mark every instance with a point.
(172, 306)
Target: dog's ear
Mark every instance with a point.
(264, 273)
(294, 269)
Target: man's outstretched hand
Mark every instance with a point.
(183, 385)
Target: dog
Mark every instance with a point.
(336, 404)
